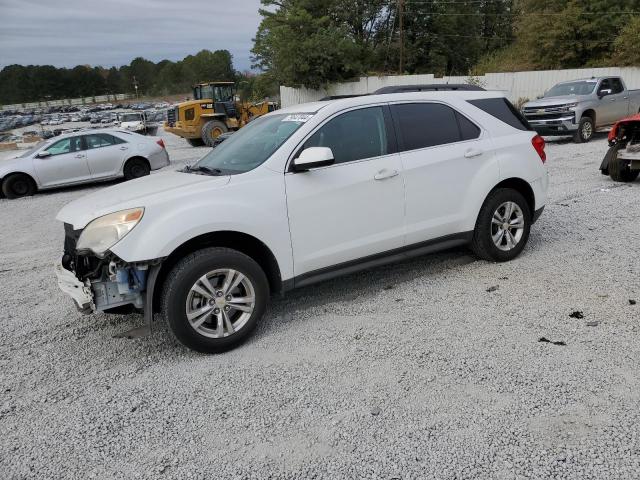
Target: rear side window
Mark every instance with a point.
(468, 129)
(100, 140)
(502, 109)
(422, 125)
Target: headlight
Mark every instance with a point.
(104, 232)
(568, 106)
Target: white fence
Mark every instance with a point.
(515, 84)
(69, 101)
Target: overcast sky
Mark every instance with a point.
(66, 33)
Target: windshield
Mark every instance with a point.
(573, 88)
(32, 149)
(252, 145)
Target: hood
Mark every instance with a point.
(134, 124)
(144, 192)
(553, 101)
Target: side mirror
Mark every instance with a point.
(313, 157)
(604, 93)
(43, 154)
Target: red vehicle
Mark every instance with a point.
(622, 160)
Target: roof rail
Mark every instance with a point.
(430, 87)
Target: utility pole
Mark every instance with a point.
(401, 15)
(135, 85)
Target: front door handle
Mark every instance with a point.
(384, 173)
(473, 152)
(80, 156)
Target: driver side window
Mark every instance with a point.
(354, 135)
(605, 85)
(66, 145)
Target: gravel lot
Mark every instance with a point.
(410, 371)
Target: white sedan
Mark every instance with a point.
(82, 157)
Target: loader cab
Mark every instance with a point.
(223, 96)
(217, 91)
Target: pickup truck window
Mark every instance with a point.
(572, 88)
(616, 85)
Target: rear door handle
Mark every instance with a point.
(123, 148)
(80, 156)
(473, 152)
(384, 173)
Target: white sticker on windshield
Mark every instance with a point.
(297, 117)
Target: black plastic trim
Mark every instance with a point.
(396, 255)
(536, 215)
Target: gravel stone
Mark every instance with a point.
(467, 390)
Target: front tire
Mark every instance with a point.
(18, 185)
(503, 225)
(585, 131)
(211, 131)
(213, 299)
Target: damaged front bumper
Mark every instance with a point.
(78, 291)
(103, 284)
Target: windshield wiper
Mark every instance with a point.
(203, 169)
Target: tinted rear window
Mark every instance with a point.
(468, 129)
(424, 125)
(502, 109)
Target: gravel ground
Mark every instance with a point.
(432, 368)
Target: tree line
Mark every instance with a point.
(20, 84)
(315, 42)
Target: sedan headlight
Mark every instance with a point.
(104, 232)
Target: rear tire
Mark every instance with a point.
(136, 168)
(195, 142)
(619, 169)
(212, 130)
(585, 131)
(503, 225)
(214, 325)
(18, 185)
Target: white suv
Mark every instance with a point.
(301, 195)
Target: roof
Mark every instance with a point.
(314, 107)
(215, 83)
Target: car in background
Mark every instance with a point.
(82, 157)
(579, 107)
(622, 160)
(302, 195)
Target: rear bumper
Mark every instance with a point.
(159, 160)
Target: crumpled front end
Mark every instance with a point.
(99, 284)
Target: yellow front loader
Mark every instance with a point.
(213, 111)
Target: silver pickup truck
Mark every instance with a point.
(579, 107)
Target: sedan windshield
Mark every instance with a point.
(573, 88)
(32, 149)
(251, 146)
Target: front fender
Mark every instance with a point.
(256, 208)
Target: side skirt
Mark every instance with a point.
(384, 258)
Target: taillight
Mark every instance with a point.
(160, 142)
(538, 144)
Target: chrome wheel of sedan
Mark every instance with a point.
(220, 303)
(507, 226)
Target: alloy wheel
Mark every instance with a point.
(507, 226)
(220, 303)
